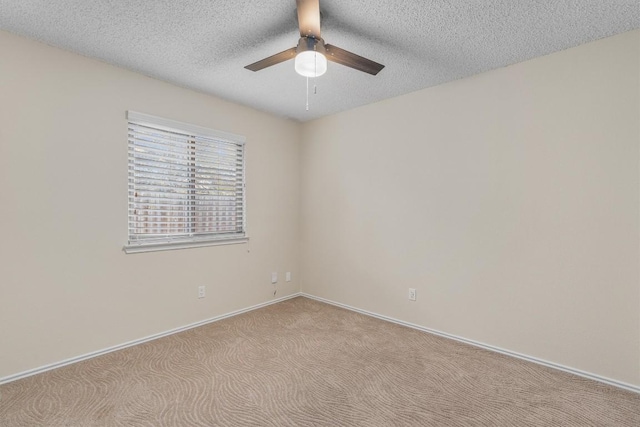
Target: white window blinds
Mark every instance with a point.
(186, 183)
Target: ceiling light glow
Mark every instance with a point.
(311, 63)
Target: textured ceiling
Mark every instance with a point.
(204, 44)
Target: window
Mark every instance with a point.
(186, 185)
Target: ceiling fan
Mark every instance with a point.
(312, 53)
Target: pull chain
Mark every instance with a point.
(315, 87)
(315, 64)
(307, 93)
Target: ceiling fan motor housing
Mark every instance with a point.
(311, 44)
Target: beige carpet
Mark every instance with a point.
(305, 363)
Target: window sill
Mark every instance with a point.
(168, 246)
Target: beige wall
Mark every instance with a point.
(509, 200)
(66, 287)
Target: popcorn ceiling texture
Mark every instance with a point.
(204, 44)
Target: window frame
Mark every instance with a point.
(192, 241)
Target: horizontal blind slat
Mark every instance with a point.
(158, 196)
(139, 164)
(186, 152)
(229, 179)
(149, 165)
(181, 194)
(199, 219)
(148, 178)
(165, 136)
(170, 144)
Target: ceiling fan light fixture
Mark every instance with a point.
(310, 63)
(311, 51)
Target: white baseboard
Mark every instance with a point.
(61, 363)
(615, 383)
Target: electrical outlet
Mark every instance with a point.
(274, 277)
(288, 276)
(201, 291)
(412, 294)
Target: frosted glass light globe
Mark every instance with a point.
(311, 63)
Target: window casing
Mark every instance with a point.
(186, 185)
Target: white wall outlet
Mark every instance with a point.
(288, 276)
(274, 277)
(201, 291)
(412, 294)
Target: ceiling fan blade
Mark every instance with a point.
(272, 60)
(309, 18)
(341, 56)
